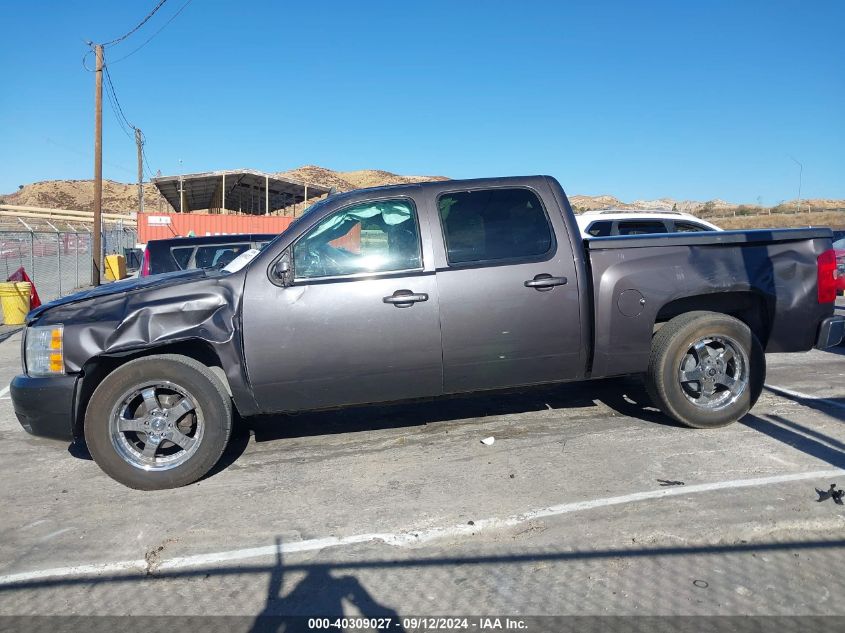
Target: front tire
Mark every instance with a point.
(158, 422)
(705, 369)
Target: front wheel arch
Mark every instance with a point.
(98, 367)
(134, 422)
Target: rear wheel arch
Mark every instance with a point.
(752, 308)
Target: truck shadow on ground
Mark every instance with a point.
(623, 396)
(799, 436)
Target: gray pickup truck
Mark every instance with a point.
(417, 291)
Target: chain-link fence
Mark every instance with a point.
(58, 262)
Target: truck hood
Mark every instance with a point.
(121, 287)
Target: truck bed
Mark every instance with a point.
(767, 276)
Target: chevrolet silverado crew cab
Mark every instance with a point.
(418, 291)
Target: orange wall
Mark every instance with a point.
(160, 226)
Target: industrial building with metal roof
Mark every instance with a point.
(246, 191)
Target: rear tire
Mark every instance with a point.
(705, 369)
(158, 422)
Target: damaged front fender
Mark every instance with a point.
(195, 310)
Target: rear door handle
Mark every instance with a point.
(405, 298)
(545, 281)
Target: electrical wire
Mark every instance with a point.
(149, 39)
(144, 155)
(114, 110)
(140, 24)
(123, 121)
(111, 94)
(147, 164)
(85, 57)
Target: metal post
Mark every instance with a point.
(89, 238)
(32, 254)
(59, 260)
(267, 195)
(304, 202)
(98, 162)
(58, 257)
(223, 202)
(139, 143)
(181, 189)
(76, 245)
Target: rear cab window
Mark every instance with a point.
(493, 225)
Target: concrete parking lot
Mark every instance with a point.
(588, 502)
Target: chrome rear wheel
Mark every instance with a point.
(714, 372)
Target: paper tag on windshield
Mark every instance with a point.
(241, 260)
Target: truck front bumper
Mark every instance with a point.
(45, 405)
(831, 332)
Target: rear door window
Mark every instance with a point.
(489, 225)
(182, 255)
(641, 227)
(218, 255)
(690, 227)
(603, 228)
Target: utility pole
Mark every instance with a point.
(96, 251)
(139, 142)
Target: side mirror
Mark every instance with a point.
(282, 270)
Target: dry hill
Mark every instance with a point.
(348, 180)
(123, 198)
(79, 195)
(119, 197)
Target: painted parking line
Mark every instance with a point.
(408, 538)
(4, 393)
(797, 395)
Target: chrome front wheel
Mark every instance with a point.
(158, 422)
(156, 426)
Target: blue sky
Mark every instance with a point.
(638, 99)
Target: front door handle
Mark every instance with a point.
(545, 281)
(405, 298)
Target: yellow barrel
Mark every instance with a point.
(115, 267)
(14, 296)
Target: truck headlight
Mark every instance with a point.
(45, 350)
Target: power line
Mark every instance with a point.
(147, 163)
(114, 94)
(112, 98)
(142, 23)
(120, 115)
(149, 39)
(144, 155)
